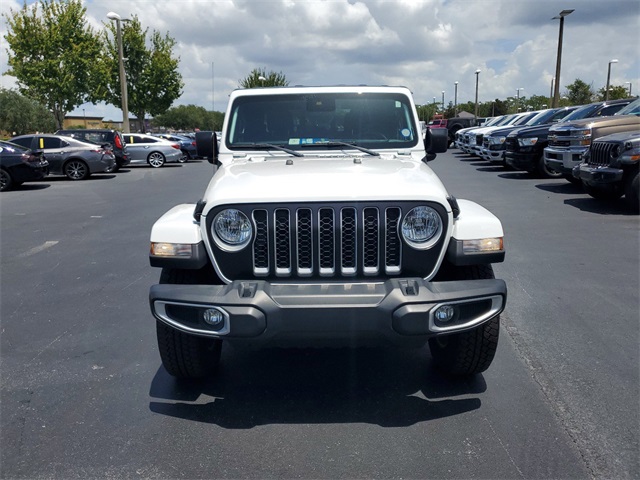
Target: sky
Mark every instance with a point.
(425, 45)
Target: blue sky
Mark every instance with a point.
(425, 45)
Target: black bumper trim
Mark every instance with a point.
(599, 175)
(264, 312)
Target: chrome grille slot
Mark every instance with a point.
(348, 241)
(370, 241)
(261, 243)
(304, 241)
(326, 241)
(392, 247)
(282, 241)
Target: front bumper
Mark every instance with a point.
(563, 159)
(521, 161)
(397, 310)
(594, 175)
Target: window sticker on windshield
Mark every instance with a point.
(307, 141)
(398, 104)
(405, 132)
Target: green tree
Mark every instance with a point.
(189, 118)
(20, 115)
(579, 93)
(53, 54)
(538, 102)
(153, 79)
(260, 78)
(615, 92)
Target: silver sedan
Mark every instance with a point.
(152, 150)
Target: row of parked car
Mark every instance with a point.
(595, 145)
(79, 153)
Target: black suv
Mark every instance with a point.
(103, 136)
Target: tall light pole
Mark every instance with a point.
(606, 91)
(476, 110)
(553, 79)
(556, 91)
(629, 87)
(123, 77)
(518, 98)
(442, 101)
(455, 101)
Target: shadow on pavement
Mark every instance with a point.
(387, 387)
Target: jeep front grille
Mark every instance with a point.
(328, 241)
(600, 154)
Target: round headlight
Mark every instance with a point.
(616, 151)
(232, 228)
(422, 227)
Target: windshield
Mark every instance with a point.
(524, 120)
(582, 112)
(294, 121)
(493, 121)
(632, 109)
(543, 117)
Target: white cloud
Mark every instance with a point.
(426, 45)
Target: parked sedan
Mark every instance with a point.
(68, 156)
(18, 165)
(152, 150)
(187, 145)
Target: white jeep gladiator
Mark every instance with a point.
(323, 225)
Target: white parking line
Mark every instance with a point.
(42, 247)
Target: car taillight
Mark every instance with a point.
(193, 143)
(118, 142)
(175, 145)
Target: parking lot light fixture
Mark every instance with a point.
(443, 100)
(475, 115)
(606, 90)
(629, 87)
(455, 101)
(123, 78)
(556, 91)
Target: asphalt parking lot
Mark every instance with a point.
(83, 393)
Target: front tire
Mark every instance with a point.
(632, 191)
(471, 352)
(543, 171)
(183, 355)
(607, 193)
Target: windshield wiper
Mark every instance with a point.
(268, 146)
(336, 143)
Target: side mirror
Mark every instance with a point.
(207, 146)
(436, 141)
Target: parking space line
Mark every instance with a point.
(38, 249)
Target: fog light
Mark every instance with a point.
(213, 317)
(444, 313)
